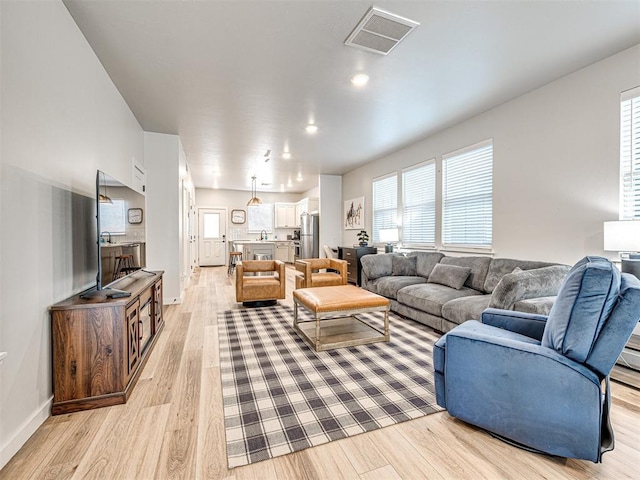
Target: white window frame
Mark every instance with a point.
(426, 206)
(384, 209)
(471, 218)
(630, 154)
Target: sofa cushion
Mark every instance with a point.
(540, 305)
(478, 265)
(389, 286)
(500, 267)
(426, 261)
(586, 298)
(460, 310)
(450, 275)
(539, 282)
(430, 297)
(377, 266)
(403, 266)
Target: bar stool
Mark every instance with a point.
(234, 257)
(124, 265)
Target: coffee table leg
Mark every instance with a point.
(295, 314)
(386, 325)
(317, 332)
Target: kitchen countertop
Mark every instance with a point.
(123, 244)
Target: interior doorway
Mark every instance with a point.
(212, 236)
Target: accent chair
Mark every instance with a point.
(542, 382)
(264, 284)
(312, 276)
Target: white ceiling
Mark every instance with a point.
(237, 78)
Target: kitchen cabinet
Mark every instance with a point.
(286, 215)
(306, 205)
(282, 251)
(292, 252)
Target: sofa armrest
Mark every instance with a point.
(539, 282)
(528, 324)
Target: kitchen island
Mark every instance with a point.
(251, 248)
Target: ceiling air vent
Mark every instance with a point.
(380, 31)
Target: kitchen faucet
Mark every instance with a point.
(109, 236)
(265, 235)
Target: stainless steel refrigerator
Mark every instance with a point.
(309, 235)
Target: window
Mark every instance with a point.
(385, 204)
(211, 226)
(113, 217)
(630, 155)
(467, 196)
(419, 204)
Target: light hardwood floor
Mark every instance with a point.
(173, 426)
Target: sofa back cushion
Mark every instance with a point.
(478, 265)
(500, 267)
(403, 266)
(377, 266)
(586, 298)
(524, 284)
(449, 275)
(425, 262)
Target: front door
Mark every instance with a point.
(212, 230)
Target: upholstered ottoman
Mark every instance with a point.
(335, 323)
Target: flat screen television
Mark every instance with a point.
(121, 234)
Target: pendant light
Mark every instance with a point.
(104, 198)
(254, 199)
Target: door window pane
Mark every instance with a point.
(211, 225)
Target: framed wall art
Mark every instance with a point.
(354, 214)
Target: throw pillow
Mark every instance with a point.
(449, 275)
(403, 266)
(587, 296)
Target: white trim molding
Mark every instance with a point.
(19, 438)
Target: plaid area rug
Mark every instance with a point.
(280, 396)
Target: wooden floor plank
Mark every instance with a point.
(173, 425)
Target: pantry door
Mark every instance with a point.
(212, 237)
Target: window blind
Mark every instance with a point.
(419, 205)
(467, 197)
(385, 204)
(630, 155)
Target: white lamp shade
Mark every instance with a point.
(622, 236)
(389, 235)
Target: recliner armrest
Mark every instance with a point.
(528, 324)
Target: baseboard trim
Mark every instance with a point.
(28, 428)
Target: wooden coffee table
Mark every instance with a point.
(335, 323)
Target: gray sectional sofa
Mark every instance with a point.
(442, 292)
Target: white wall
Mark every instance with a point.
(237, 199)
(330, 194)
(167, 247)
(556, 162)
(62, 119)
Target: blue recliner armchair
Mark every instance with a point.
(543, 382)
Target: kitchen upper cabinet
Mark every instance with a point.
(306, 205)
(286, 215)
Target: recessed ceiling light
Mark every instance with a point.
(286, 155)
(311, 128)
(360, 79)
